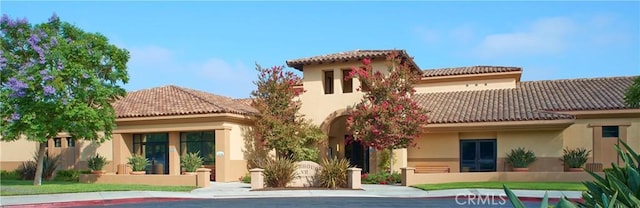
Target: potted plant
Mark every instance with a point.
(138, 164)
(520, 159)
(97, 163)
(190, 162)
(574, 159)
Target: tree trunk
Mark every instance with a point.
(390, 160)
(37, 179)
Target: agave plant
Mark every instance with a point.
(620, 184)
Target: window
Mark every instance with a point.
(328, 82)
(347, 82)
(57, 142)
(610, 131)
(71, 142)
(478, 155)
(199, 142)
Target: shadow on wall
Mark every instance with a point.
(254, 152)
(88, 151)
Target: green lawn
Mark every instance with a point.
(10, 187)
(559, 186)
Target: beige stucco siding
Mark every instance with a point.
(19, 150)
(470, 85)
(542, 143)
(315, 104)
(236, 143)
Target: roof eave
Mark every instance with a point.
(500, 126)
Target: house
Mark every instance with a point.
(477, 115)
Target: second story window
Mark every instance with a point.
(328, 82)
(610, 131)
(347, 82)
(57, 142)
(71, 142)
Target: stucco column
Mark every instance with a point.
(116, 149)
(257, 179)
(400, 159)
(354, 180)
(597, 144)
(407, 176)
(223, 173)
(174, 153)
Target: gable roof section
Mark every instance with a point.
(173, 100)
(468, 70)
(354, 55)
(533, 100)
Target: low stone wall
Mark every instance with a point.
(201, 179)
(409, 177)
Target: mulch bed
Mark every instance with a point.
(305, 188)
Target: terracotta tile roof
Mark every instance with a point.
(468, 70)
(246, 101)
(345, 56)
(174, 100)
(534, 100)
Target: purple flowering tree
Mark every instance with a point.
(57, 78)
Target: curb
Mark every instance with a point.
(101, 202)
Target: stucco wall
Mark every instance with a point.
(315, 104)
(505, 83)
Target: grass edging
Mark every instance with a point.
(25, 187)
(551, 186)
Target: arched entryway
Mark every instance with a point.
(335, 126)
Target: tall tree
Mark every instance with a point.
(632, 97)
(387, 117)
(57, 78)
(279, 125)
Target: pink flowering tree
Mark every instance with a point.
(57, 78)
(279, 125)
(387, 117)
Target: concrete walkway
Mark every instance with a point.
(241, 190)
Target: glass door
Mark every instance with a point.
(478, 155)
(155, 147)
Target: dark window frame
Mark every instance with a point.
(57, 142)
(71, 142)
(610, 131)
(202, 143)
(477, 158)
(347, 83)
(327, 81)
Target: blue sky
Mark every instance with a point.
(213, 46)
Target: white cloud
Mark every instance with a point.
(150, 55)
(428, 35)
(544, 36)
(462, 33)
(216, 68)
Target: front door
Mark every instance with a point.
(357, 154)
(157, 152)
(478, 155)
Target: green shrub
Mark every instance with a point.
(519, 158)
(279, 172)
(381, 178)
(575, 158)
(27, 170)
(385, 160)
(138, 162)
(333, 173)
(246, 178)
(97, 163)
(9, 175)
(191, 161)
(70, 175)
